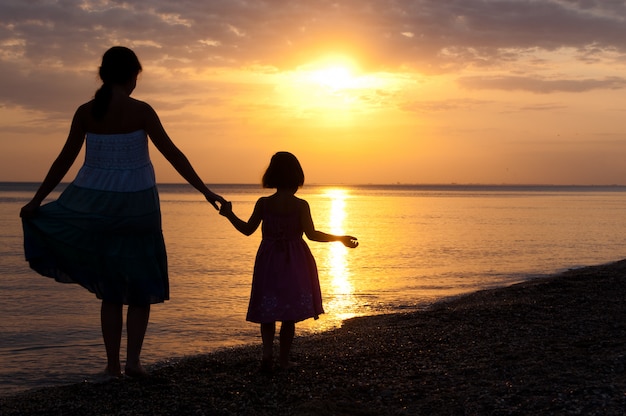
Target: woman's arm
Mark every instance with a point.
(315, 235)
(246, 228)
(60, 166)
(177, 159)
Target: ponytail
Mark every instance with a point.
(101, 101)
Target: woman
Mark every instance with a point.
(104, 231)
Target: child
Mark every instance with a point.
(285, 284)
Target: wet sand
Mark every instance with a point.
(551, 346)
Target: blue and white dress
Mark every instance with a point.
(104, 231)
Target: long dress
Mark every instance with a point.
(104, 230)
(285, 283)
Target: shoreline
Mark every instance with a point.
(552, 346)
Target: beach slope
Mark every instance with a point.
(551, 346)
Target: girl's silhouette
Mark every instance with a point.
(285, 284)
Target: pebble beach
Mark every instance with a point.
(549, 346)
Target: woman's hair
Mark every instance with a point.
(284, 171)
(119, 65)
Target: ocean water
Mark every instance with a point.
(418, 245)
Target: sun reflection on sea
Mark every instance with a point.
(341, 300)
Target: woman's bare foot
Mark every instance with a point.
(267, 366)
(115, 372)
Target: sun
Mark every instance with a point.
(335, 73)
(334, 77)
(330, 89)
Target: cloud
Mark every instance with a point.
(443, 105)
(54, 91)
(548, 107)
(541, 85)
(281, 33)
(56, 45)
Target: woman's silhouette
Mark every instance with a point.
(104, 231)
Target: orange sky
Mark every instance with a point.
(362, 91)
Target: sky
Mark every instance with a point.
(361, 91)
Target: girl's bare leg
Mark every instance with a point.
(136, 325)
(111, 322)
(287, 332)
(268, 331)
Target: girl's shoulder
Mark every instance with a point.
(302, 203)
(261, 203)
(300, 200)
(282, 204)
(301, 206)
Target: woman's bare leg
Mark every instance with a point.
(136, 325)
(111, 322)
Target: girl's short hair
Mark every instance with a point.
(284, 171)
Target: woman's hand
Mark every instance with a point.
(29, 210)
(214, 198)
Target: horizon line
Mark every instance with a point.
(441, 184)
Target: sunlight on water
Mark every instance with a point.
(343, 300)
(337, 210)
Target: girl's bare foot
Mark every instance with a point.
(135, 371)
(287, 365)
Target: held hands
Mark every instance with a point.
(214, 198)
(349, 241)
(226, 208)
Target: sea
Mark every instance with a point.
(418, 244)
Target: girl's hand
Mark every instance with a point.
(29, 210)
(349, 241)
(226, 208)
